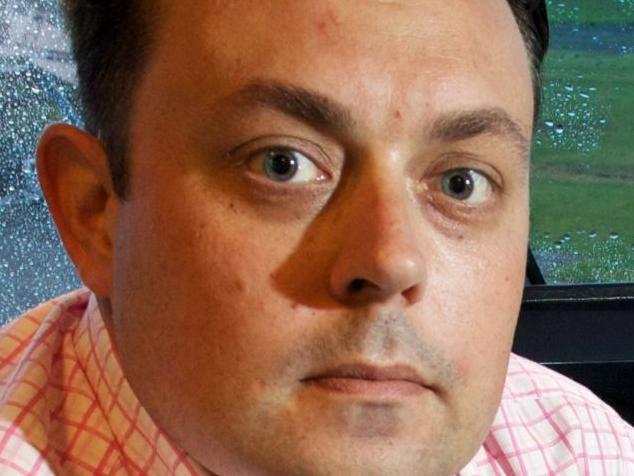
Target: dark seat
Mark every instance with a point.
(584, 332)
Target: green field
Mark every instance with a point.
(582, 193)
(620, 12)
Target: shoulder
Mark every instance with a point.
(528, 380)
(33, 334)
(551, 423)
(29, 348)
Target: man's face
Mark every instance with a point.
(318, 269)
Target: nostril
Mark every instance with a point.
(413, 294)
(356, 285)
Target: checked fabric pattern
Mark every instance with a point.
(65, 406)
(67, 409)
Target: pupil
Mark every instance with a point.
(280, 165)
(458, 184)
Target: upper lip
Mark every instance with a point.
(371, 372)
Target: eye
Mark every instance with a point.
(466, 185)
(287, 165)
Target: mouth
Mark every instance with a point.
(397, 381)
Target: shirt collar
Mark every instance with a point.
(144, 445)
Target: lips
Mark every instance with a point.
(370, 381)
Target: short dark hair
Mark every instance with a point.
(532, 19)
(111, 42)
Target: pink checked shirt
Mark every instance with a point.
(66, 409)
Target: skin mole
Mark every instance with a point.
(239, 284)
(327, 23)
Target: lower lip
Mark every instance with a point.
(369, 388)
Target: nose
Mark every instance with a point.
(380, 257)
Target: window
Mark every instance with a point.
(583, 168)
(37, 86)
(582, 194)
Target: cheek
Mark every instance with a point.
(214, 262)
(477, 291)
(195, 283)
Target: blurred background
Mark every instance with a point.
(582, 210)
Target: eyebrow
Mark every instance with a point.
(308, 106)
(319, 110)
(457, 126)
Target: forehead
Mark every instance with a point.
(408, 54)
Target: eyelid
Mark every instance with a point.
(469, 201)
(494, 185)
(305, 165)
(452, 161)
(454, 209)
(247, 150)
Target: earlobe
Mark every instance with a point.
(73, 171)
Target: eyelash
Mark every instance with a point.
(247, 150)
(457, 160)
(242, 157)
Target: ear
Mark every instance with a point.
(75, 178)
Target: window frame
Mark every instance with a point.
(584, 331)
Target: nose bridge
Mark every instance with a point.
(387, 211)
(379, 255)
